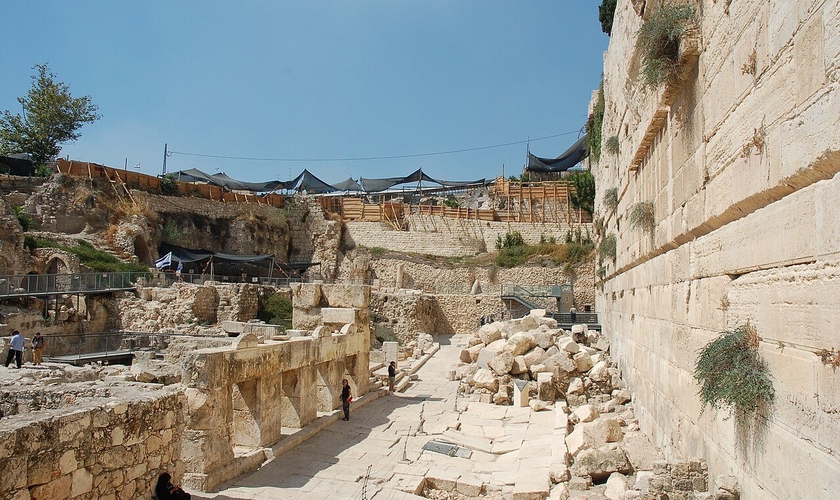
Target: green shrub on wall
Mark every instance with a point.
(594, 126)
(611, 198)
(732, 375)
(612, 145)
(659, 42)
(642, 216)
(607, 247)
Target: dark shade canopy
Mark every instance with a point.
(306, 181)
(571, 157)
(377, 185)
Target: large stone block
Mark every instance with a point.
(338, 315)
(502, 363)
(520, 343)
(600, 463)
(306, 295)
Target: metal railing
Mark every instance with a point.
(167, 279)
(49, 284)
(525, 291)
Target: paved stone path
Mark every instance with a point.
(381, 442)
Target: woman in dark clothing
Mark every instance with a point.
(346, 397)
(165, 490)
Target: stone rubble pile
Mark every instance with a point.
(531, 361)
(571, 365)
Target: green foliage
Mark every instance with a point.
(376, 251)
(607, 247)
(276, 310)
(583, 196)
(51, 117)
(732, 375)
(595, 124)
(525, 177)
(451, 202)
(611, 198)
(513, 251)
(659, 42)
(29, 242)
(642, 216)
(385, 334)
(612, 145)
(43, 170)
(97, 260)
(171, 233)
(511, 240)
(169, 184)
(606, 12)
(23, 218)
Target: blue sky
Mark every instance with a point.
(315, 80)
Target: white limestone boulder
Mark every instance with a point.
(599, 372)
(519, 366)
(473, 352)
(543, 339)
(576, 386)
(586, 413)
(490, 332)
(484, 379)
(535, 356)
(600, 463)
(616, 486)
(583, 361)
(545, 386)
(502, 363)
(568, 345)
(520, 343)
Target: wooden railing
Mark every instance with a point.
(126, 179)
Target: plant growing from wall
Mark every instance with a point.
(612, 145)
(659, 43)
(607, 247)
(595, 124)
(732, 375)
(606, 12)
(611, 198)
(642, 216)
(23, 218)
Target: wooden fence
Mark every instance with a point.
(135, 180)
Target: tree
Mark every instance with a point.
(606, 12)
(51, 117)
(583, 196)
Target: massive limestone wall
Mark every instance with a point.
(740, 159)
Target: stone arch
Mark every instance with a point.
(57, 264)
(33, 282)
(141, 250)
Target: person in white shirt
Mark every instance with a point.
(15, 349)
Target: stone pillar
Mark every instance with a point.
(520, 393)
(297, 404)
(391, 350)
(398, 284)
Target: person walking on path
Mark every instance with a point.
(346, 398)
(392, 376)
(15, 349)
(573, 314)
(38, 344)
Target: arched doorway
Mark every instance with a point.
(141, 250)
